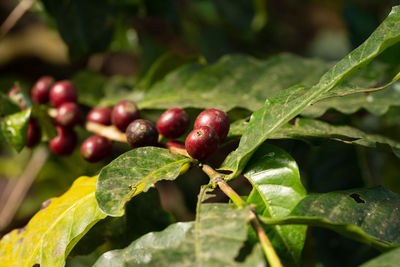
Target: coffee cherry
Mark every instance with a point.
(62, 92)
(18, 97)
(124, 113)
(64, 143)
(216, 119)
(201, 142)
(95, 148)
(41, 90)
(141, 133)
(173, 123)
(34, 133)
(68, 115)
(13, 91)
(100, 115)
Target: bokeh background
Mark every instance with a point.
(113, 43)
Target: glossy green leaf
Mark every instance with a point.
(14, 128)
(307, 129)
(277, 189)
(133, 172)
(53, 232)
(389, 259)
(214, 239)
(82, 35)
(371, 216)
(288, 103)
(7, 106)
(247, 82)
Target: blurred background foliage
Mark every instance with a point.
(108, 47)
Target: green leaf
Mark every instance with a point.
(277, 189)
(308, 129)
(133, 172)
(7, 106)
(53, 232)
(46, 123)
(14, 128)
(214, 239)
(85, 28)
(244, 85)
(288, 103)
(90, 86)
(371, 216)
(389, 259)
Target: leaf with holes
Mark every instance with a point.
(214, 239)
(288, 103)
(133, 172)
(52, 233)
(277, 189)
(371, 216)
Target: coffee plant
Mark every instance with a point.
(220, 136)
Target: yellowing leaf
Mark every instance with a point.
(53, 232)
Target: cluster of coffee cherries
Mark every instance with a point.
(210, 128)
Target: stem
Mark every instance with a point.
(111, 132)
(266, 245)
(14, 16)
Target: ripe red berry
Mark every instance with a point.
(63, 92)
(68, 115)
(124, 113)
(18, 97)
(201, 142)
(100, 115)
(216, 119)
(65, 142)
(34, 133)
(173, 123)
(41, 90)
(95, 148)
(141, 133)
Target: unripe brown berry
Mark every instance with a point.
(41, 90)
(173, 123)
(100, 115)
(216, 119)
(65, 142)
(68, 115)
(141, 133)
(95, 148)
(62, 92)
(124, 113)
(201, 142)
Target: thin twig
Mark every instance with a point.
(266, 245)
(111, 132)
(22, 186)
(14, 16)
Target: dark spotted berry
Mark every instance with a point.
(173, 123)
(68, 115)
(201, 142)
(41, 90)
(141, 133)
(34, 134)
(95, 148)
(65, 142)
(216, 119)
(100, 115)
(62, 92)
(124, 113)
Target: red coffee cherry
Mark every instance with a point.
(201, 142)
(124, 113)
(34, 134)
(173, 123)
(41, 90)
(68, 115)
(65, 142)
(95, 148)
(100, 115)
(141, 133)
(216, 119)
(62, 92)
(18, 97)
